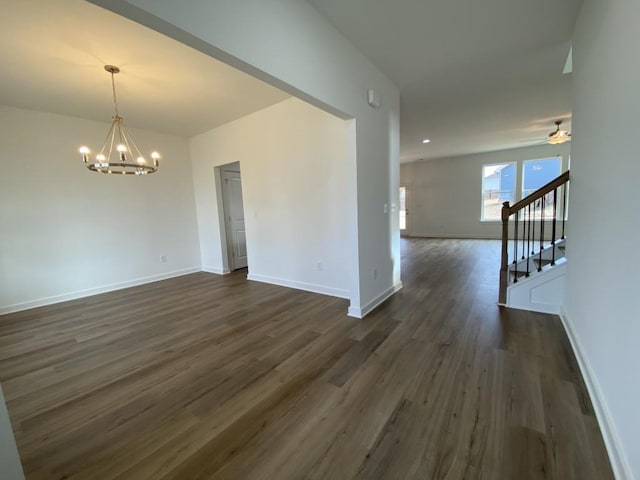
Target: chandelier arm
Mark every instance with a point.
(120, 134)
(113, 137)
(126, 139)
(107, 138)
(138, 152)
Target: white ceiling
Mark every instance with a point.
(474, 76)
(53, 53)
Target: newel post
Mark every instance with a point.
(504, 267)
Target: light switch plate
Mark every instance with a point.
(373, 98)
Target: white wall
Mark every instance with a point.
(601, 304)
(10, 466)
(444, 195)
(68, 232)
(290, 45)
(296, 184)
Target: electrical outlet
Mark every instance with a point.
(163, 259)
(319, 266)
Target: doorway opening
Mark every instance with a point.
(233, 213)
(403, 210)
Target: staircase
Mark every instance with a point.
(533, 263)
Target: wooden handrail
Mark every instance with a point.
(507, 211)
(541, 192)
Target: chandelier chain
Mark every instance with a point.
(115, 99)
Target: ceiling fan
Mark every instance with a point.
(556, 137)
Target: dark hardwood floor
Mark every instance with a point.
(215, 377)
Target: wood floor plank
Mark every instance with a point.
(568, 443)
(359, 353)
(216, 377)
(277, 443)
(527, 454)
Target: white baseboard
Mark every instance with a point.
(308, 287)
(619, 463)
(41, 302)
(216, 270)
(453, 236)
(358, 312)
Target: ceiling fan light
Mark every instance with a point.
(561, 136)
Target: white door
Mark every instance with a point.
(234, 219)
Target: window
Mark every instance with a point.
(403, 208)
(537, 173)
(498, 186)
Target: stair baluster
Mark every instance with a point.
(532, 228)
(524, 227)
(542, 206)
(553, 227)
(528, 237)
(515, 253)
(564, 207)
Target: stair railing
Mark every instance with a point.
(528, 211)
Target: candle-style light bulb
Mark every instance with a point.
(85, 153)
(122, 150)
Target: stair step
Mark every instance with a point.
(536, 264)
(545, 261)
(520, 274)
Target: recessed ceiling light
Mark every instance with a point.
(426, 140)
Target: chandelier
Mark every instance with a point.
(127, 158)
